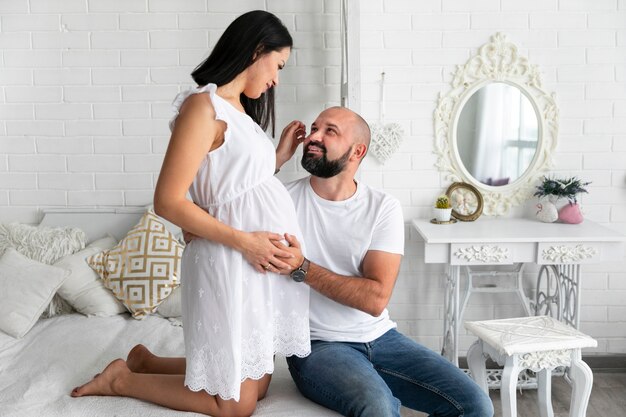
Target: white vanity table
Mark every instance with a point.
(559, 248)
(496, 129)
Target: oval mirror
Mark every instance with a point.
(496, 128)
(497, 134)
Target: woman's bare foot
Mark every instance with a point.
(106, 382)
(138, 358)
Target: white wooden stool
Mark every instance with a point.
(539, 343)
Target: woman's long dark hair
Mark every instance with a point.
(247, 38)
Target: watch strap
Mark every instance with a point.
(305, 265)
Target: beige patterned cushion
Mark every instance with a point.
(143, 268)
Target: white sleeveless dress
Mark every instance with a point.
(234, 318)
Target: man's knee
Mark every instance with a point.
(354, 391)
(367, 400)
(480, 406)
(385, 405)
(486, 406)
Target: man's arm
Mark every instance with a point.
(369, 293)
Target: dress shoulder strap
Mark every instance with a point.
(183, 95)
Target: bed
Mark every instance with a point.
(38, 371)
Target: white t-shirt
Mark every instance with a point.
(338, 234)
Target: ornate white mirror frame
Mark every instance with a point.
(496, 61)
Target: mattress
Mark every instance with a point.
(38, 372)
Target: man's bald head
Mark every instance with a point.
(359, 128)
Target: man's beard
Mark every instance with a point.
(321, 166)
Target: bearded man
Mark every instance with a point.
(359, 365)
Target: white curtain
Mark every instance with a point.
(491, 125)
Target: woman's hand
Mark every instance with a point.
(188, 236)
(260, 250)
(263, 250)
(292, 136)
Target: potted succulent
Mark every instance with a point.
(552, 189)
(442, 208)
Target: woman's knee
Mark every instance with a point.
(242, 408)
(245, 410)
(264, 384)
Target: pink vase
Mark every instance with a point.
(570, 213)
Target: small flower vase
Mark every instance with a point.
(546, 209)
(442, 214)
(570, 213)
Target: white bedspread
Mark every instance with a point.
(38, 372)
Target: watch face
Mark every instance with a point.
(298, 275)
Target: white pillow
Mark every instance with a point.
(26, 288)
(46, 245)
(83, 288)
(171, 307)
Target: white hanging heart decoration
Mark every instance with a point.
(385, 140)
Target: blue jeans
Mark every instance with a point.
(373, 379)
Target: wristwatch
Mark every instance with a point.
(299, 274)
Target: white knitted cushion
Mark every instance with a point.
(42, 244)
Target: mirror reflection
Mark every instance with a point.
(497, 134)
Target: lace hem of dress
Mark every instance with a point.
(210, 369)
(292, 334)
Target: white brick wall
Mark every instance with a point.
(86, 87)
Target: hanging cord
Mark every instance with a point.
(344, 51)
(381, 106)
(386, 138)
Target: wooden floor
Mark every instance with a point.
(608, 398)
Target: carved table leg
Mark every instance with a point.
(582, 379)
(476, 363)
(544, 392)
(451, 316)
(509, 386)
